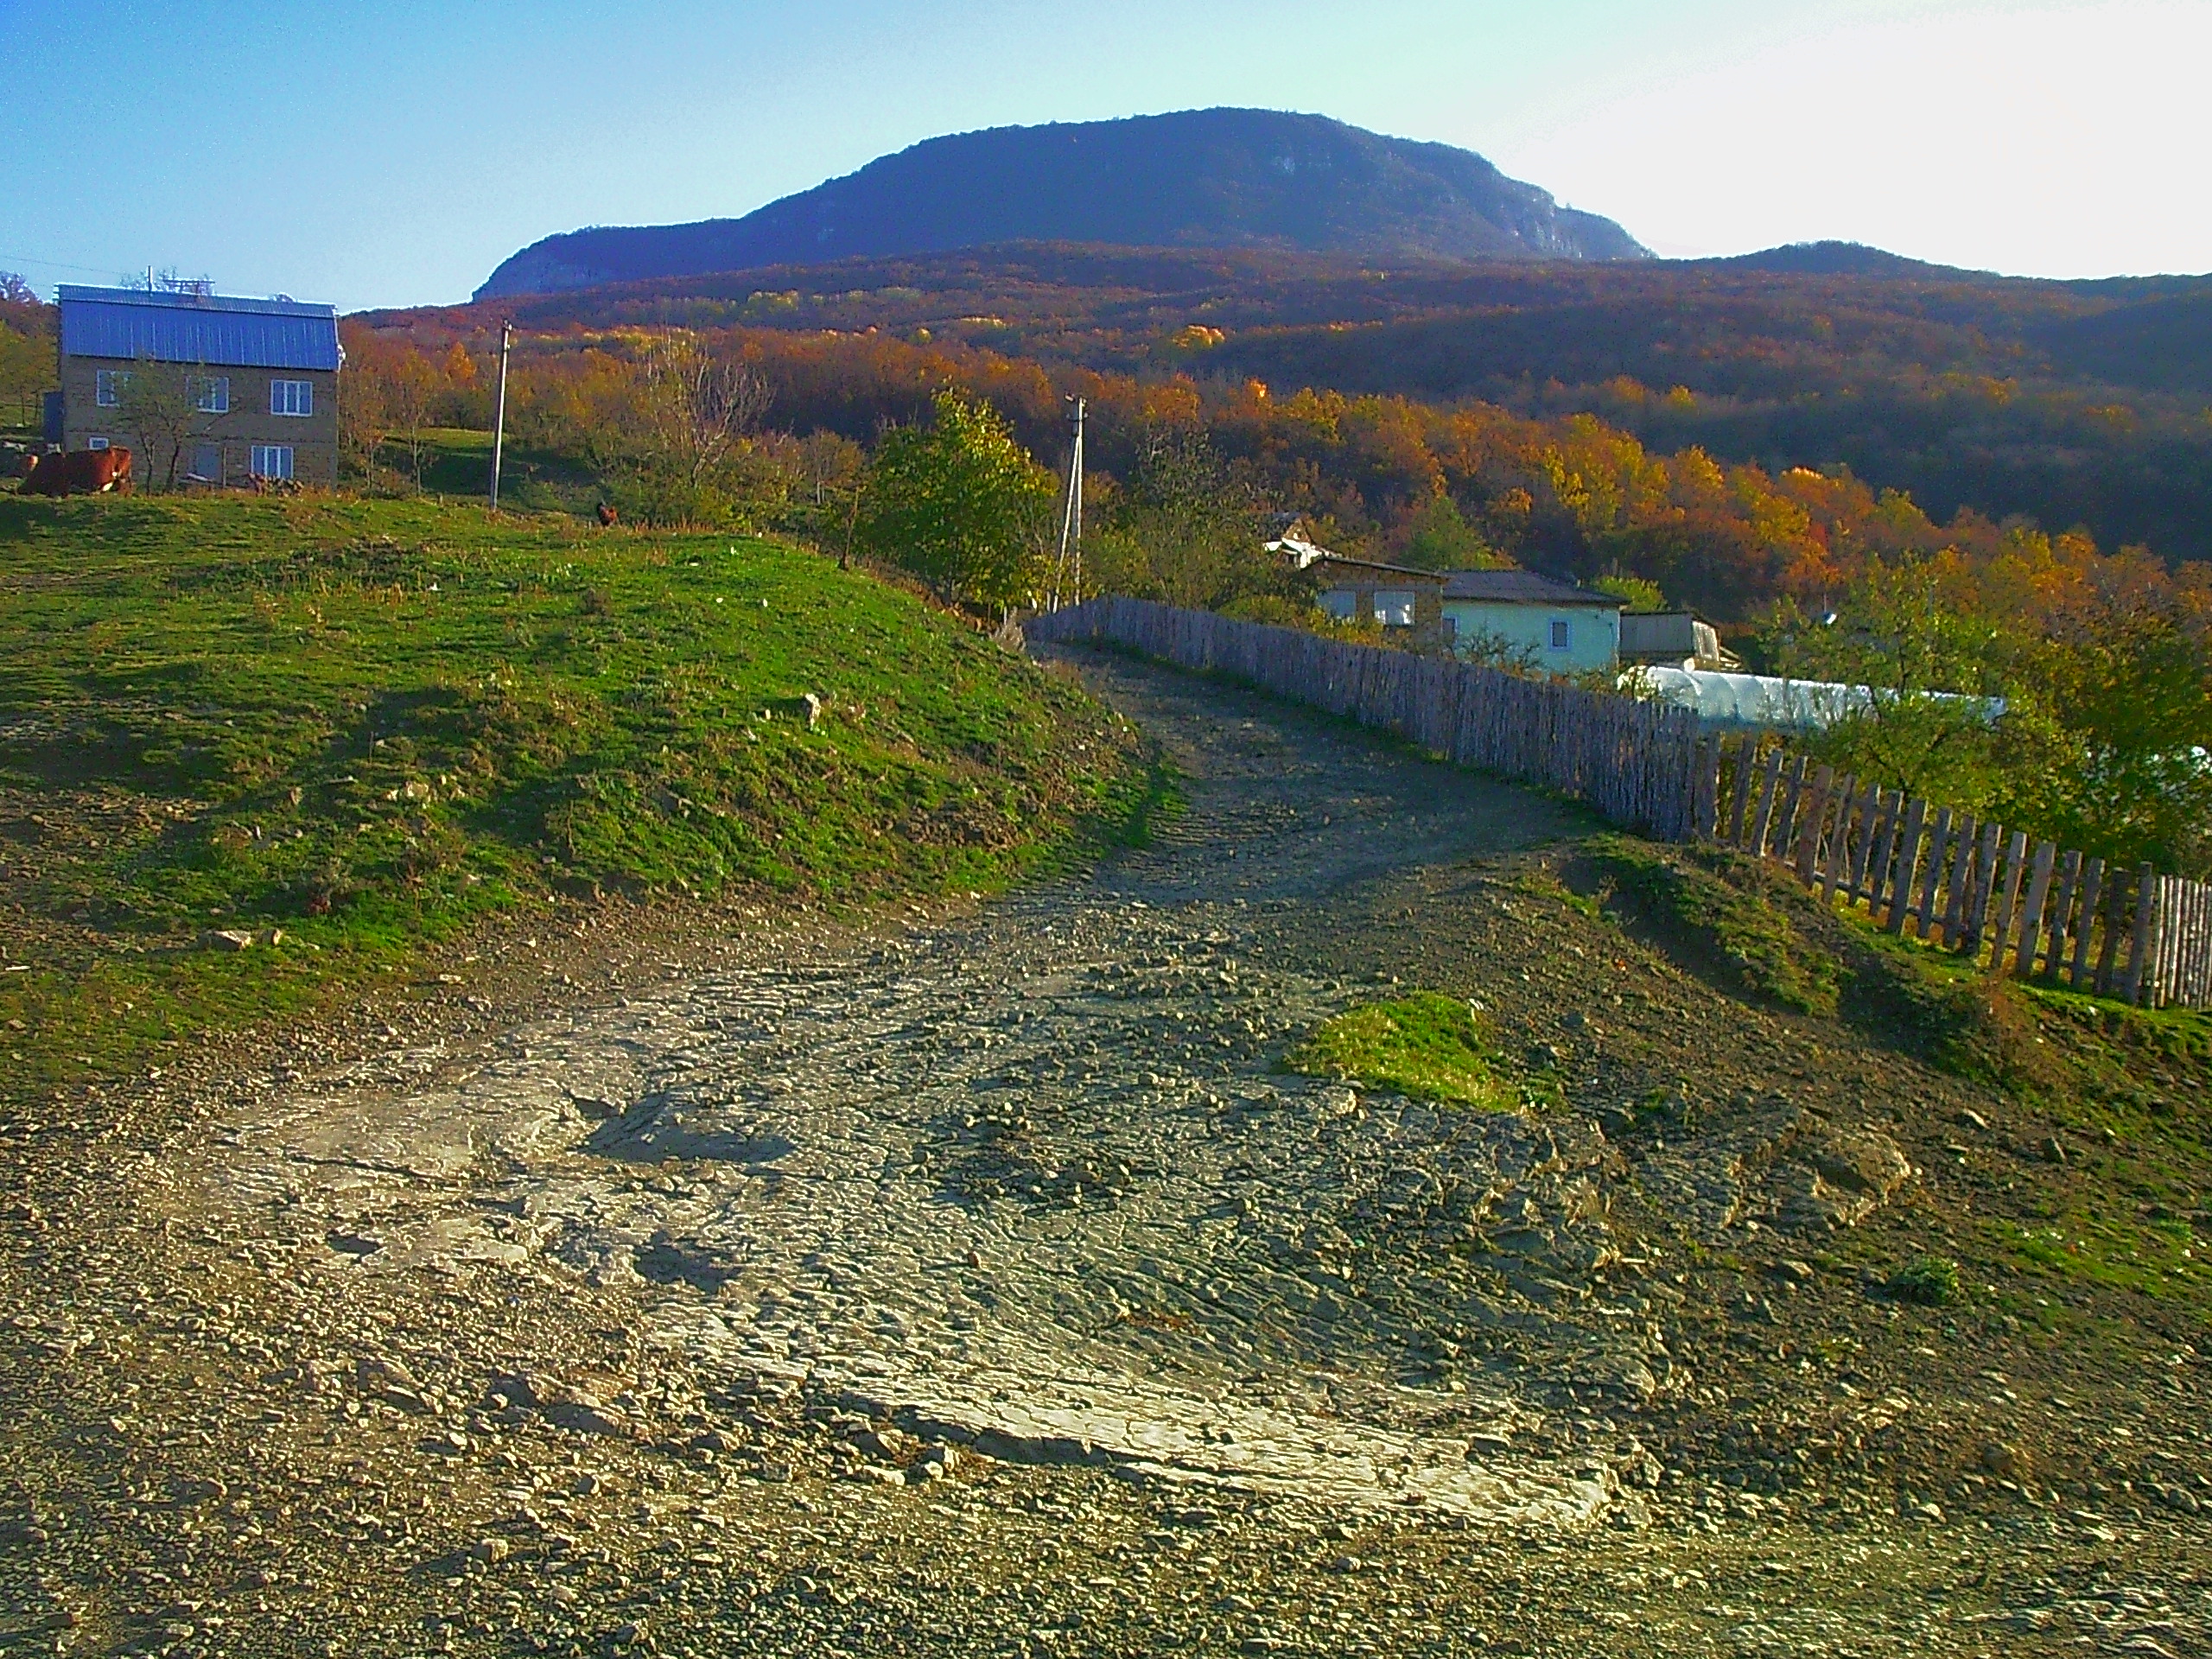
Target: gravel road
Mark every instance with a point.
(972, 1281)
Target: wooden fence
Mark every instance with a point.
(2030, 910)
(1630, 761)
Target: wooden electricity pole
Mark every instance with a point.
(1069, 567)
(499, 417)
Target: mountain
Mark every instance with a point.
(1198, 179)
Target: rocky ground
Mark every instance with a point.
(972, 1279)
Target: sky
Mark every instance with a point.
(393, 153)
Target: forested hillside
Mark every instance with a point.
(2078, 405)
(1861, 468)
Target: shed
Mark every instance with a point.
(1677, 639)
(1554, 626)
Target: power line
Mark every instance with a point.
(56, 264)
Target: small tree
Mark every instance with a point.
(1634, 592)
(157, 408)
(409, 386)
(959, 503)
(1439, 537)
(364, 416)
(695, 408)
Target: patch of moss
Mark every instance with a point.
(1425, 1045)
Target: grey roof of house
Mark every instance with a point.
(129, 323)
(1521, 587)
(1348, 562)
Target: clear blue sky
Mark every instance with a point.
(392, 153)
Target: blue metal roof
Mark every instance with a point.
(125, 322)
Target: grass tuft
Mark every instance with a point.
(1425, 1045)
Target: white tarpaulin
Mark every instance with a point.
(1765, 702)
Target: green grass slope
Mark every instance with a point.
(370, 724)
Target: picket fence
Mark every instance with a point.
(2029, 910)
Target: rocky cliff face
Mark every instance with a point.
(1202, 178)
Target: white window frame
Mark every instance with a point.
(1561, 634)
(295, 398)
(1396, 608)
(95, 443)
(210, 393)
(270, 460)
(108, 386)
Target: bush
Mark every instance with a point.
(1930, 1281)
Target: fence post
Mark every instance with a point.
(1869, 807)
(2060, 921)
(1961, 873)
(1747, 751)
(2023, 959)
(2138, 945)
(1809, 833)
(1839, 858)
(2092, 890)
(1939, 844)
(1708, 787)
(2118, 908)
(2008, 897)
(1756, 845)
(1786, 818)
(1984, 886)
(1908, 855)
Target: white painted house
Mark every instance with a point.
(1555, 626)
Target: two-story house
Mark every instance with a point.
(256, 382)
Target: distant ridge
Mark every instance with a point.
(1198, 179)
(1837, 259)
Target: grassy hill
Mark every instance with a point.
(369, 725)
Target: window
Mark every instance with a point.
(108, 385)
(1339, 604)
(270, 460)
(210, 393)
(291, 397)
(207, 462)
(1559, 633)
(1394, 609)
(95, 443)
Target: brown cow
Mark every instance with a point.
(82, 471)
(608, 514)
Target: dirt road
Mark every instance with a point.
(975, 1282)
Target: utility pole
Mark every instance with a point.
(500, 418)
(1070, 562)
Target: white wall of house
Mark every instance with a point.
(1558, 639)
